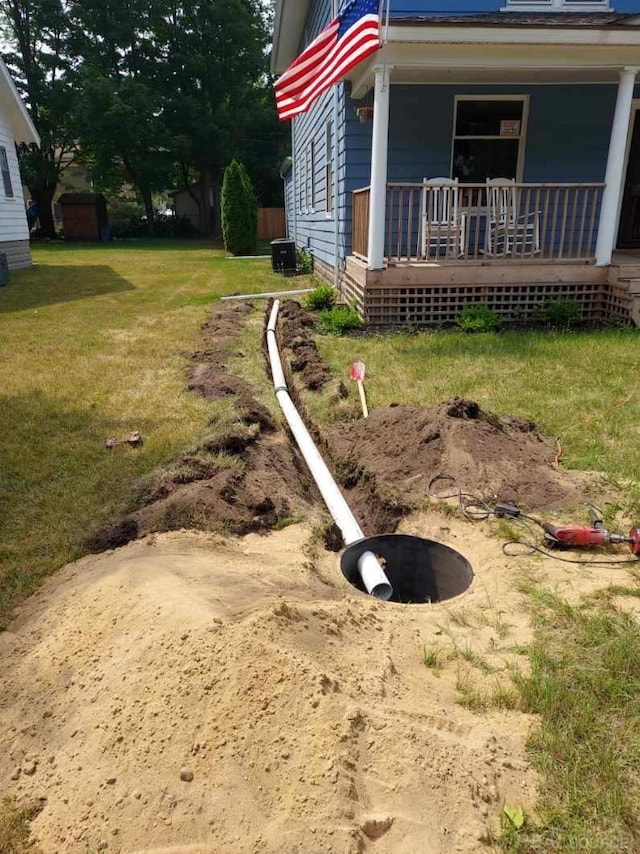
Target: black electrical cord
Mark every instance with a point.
(477, 509)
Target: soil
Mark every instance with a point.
(205, 693)
(269, 483)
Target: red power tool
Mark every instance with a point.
(570, 536)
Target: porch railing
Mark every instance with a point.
(514, 222)
(360, 222)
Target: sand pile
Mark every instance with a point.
(191, 693)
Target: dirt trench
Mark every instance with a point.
(395, 461)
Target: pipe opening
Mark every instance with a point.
(420, 571)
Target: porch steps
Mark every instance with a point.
(633, 286)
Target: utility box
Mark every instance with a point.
(4, 269)
(283, 256)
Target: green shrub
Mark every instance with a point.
(239, 210)
(339, 319)
(304, 261)
(321, 297)
(563, 312)
(479, 318)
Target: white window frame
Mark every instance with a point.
(556, 6)
(302, 183)
(328, 168)
(523, 129)
(5, 172)
(312, 175)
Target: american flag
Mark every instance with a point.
(350, 37)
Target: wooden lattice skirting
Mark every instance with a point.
(434, 305)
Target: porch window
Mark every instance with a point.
(488, 140)
(6, 175)
(556, 5)
(328, 168)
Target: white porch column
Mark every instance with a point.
(615, 167)
(378, 191)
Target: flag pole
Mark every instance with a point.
(336, 228)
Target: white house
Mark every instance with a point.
(15, 126)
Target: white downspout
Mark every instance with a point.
(378, 184)
(294, 170)
(615, 167)
(336, 224)
(373, 577)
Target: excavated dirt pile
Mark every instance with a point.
(267, 483)
(406, 447)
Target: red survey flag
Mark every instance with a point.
(352, 36)
(357, 371)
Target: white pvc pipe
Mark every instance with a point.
(373, 577)
(267, 295)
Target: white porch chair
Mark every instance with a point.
(443, 227)
(510, 232)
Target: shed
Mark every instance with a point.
(84, 216)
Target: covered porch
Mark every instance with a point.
(515, 174)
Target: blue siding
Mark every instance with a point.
(567, 136)
(567, 141)
(411, 8)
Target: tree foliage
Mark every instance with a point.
(38, 33)
(148, 93)
(239, 211)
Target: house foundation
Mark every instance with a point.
(18, 253)
(429, 295)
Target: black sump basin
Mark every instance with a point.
(420, 571)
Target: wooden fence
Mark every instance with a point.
(271, 223)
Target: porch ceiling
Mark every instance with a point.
(466, 57)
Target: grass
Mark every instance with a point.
(94, 343)
(585, 685)
(15, 828)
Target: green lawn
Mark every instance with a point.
(94, 342)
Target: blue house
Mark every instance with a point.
(488, 152)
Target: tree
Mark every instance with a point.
(123, 137)
(215, 58)
(119, 119)
(37, 32)
(239, 211)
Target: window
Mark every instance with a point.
(312, 175)
(488, 138)
(6, 175)
(328, 168)
(301, 185)
(556, 5)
